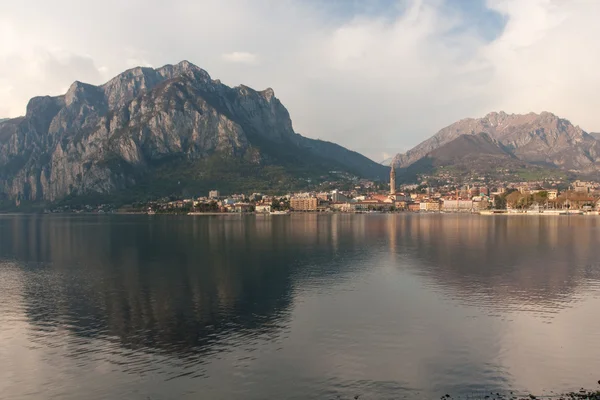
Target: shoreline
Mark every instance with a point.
(547, 213)
(486, 213)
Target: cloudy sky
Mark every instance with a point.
(375, 76)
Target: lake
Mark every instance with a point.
(302, 306)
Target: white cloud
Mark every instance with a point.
(241, 57)
(372, 82)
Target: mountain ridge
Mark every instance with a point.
(532, 138)
(107, 138)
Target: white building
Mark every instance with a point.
(457, 205)
(263, 208)
(582, 186)
(338, 197)
(213, 194)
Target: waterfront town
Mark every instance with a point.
(549, 197)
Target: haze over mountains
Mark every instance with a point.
(517, 140)
(157, 130)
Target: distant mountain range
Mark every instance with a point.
(507, 140)
(151, 132)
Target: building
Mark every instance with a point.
(552, 194)
(213, 194)
(474, 191)
(323, 205)
(338, 197)
(429, 206)
(393, 181)
(304, 203)
(464, 191)
(345, 207)
(403, 197)
(373, 205)
(176, 204)
(576, 201)
(457, 205)
(323, 196)
(381, 197)
(414, 206)
(582, 187)
(263, 208)
(338, 206)
(242, 207)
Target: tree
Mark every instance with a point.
(275, 204)
(499, 202)
(515, 199)
(541, 197)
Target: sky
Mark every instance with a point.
(375, 76)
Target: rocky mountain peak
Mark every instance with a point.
(540, 138)
(184, 68)
(547, 115)
(145, 121)
(268, 94)
(72, 92)
(79, 91)
(495, 115)
(44, 107)
(135, 81)
(501, 118)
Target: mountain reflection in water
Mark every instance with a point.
(386, 306)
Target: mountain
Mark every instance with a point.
(155, 131)
(387, 162)
(477, 153)
(470, 147)
(595, 135)
(535, 139)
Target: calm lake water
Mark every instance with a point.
(302, 306)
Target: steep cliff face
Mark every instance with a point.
(99, 139)
(535, 138)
